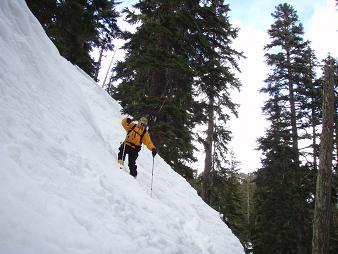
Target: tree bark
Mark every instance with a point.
(98, 65)
(294, 131)
(314, 135)
(208, 153)
(321, 226)
(208, 145)
(336, 126)
(294, 136)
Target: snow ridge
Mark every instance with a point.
(61, 189)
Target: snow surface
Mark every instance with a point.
(61, 190)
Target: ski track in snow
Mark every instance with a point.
(61, 188)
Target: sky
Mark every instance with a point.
(253, 18)
(320, 22)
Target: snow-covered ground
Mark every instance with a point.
(61, 190)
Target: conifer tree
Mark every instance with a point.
(284, 179)
(105, 17)
(334, 227)
(215, 62)
(155, 79)
(323, 212)
(309, 96)
(247, 190)
(77, 26)
(226, 197)
(180, 52)
(275, 194)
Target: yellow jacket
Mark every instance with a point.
(134, 134)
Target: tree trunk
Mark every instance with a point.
(206, 182)
(294, 136)
(294, 131)
(314, 143)
(321, 226)
(336, 127)
(208, 145)
(98, 65)
(248, 198)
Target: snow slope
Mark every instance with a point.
(60, 188)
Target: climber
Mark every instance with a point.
(136, 135)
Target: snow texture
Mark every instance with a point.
(61, 190)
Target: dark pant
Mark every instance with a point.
(132, 156)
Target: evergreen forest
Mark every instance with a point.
(181, 69)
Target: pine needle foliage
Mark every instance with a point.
(155, 79)
(285, 183)
(78, 26)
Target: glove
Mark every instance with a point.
(154, 152)
(128, 120)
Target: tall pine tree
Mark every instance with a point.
(275, 194)
(215, 64)
(155, 79)
(284, 187)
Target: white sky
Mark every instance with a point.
(320, 21)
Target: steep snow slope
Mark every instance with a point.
(60, 188)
